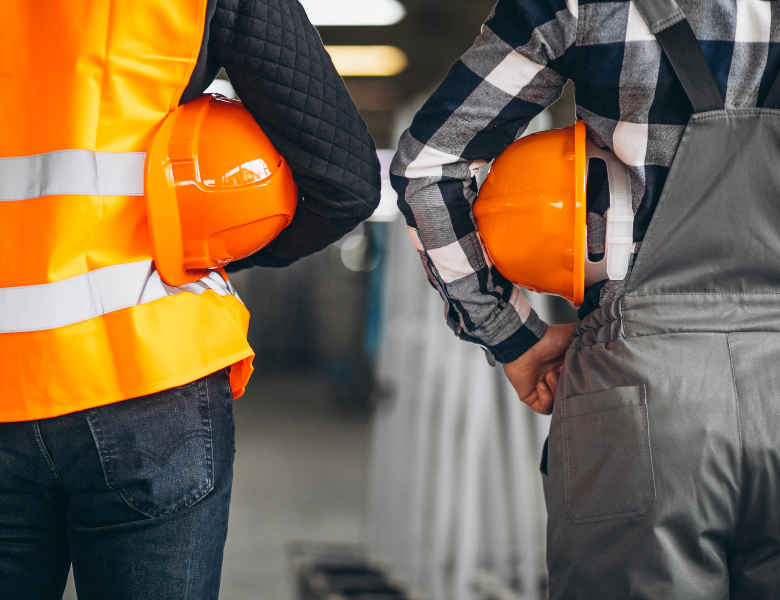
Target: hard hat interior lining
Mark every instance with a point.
(597, 202)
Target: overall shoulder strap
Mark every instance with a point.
(673, 32)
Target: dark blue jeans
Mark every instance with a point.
(134, 494)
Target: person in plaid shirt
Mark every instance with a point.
(631, 102)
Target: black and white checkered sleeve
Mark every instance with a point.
(515, 69)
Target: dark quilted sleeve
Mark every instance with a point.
(276, 62)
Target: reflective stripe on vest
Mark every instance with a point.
(84, 318)
(99, 292)
(69, 172)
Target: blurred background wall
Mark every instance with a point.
(404, 439)
(366, 420)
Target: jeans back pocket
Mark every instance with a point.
(607, 464)
(156, 451)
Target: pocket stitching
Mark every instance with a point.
(209, 484)
(191, 499)
(647, 457)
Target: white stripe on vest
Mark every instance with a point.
(76, 299)
(68, 172)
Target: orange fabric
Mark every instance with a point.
(55, 237)
(102, 77)
(124, 354)
(530, 212)
(93, 75)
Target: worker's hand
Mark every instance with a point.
(535, 374)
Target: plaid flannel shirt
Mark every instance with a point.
(626, 93)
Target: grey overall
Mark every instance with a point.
(664, 450)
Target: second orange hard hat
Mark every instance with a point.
(216, 189)
(531, 214)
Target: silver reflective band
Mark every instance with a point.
(76, 299)
(68, 172)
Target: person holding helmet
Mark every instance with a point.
(125, 195)
(662, 464)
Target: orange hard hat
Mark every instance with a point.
(531, 214)
(216, 189)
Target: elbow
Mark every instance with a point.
(371, 202)
(367, 199)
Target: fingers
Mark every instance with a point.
(536, 404)
(542, 398)
(546, 397)
(551, 378)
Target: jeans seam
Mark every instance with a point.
(45, 452)
(210, 469)
(229, 392)
(105, 465)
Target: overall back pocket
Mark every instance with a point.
(608, 470)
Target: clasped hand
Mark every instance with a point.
(535, 374)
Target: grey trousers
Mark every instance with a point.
(663, 469)
(667, 488)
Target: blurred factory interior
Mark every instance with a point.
(366, 422)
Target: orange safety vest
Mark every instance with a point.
(84, 318)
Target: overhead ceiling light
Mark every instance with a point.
(354, 12)
(367, 61)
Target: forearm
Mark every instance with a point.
(309, 232)
(514, 70)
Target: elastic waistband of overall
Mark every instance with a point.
(634, 316)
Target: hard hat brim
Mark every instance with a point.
(580, 209)
(162, 212)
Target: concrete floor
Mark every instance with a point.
(300, 475)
